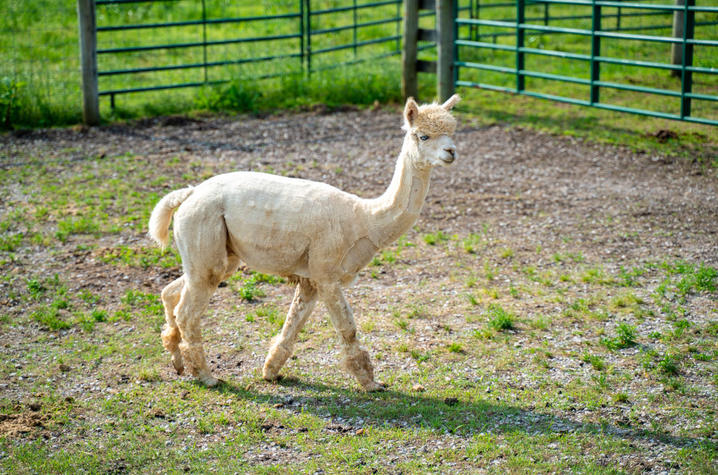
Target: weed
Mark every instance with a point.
(50, 318)
(70, 226)
(620, 397)
(483, 334)
(419, 356)
(249, 292)
(625, 337)
(601, 380)
(149, 374)
(500, 319)
(417, 311)
(596, 275)
(595, 361)
(489, 271)
(99, 315)
(471, 242)
(506, 253)
(472, 299)
(669, 364)
(271, 314)
(455, 348)
(10, 242)
(435, 238)
(541, 322)
(267, 278)
(35, 288)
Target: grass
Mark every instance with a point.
(500, 319)
(39, 85)
(625, 337)
(614, 371)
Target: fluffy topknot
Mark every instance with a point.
(431, 119)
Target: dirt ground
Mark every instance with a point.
(536, 187)
(532, 196)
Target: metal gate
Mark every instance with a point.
(604, 54)
(135, 46)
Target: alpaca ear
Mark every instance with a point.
(411, 111)
(451, 102)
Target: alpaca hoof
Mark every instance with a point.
(209, 381)
(375, 386)
(270, 375)
(179, 367)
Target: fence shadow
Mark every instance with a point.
(460, 417)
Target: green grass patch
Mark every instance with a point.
(500, 319)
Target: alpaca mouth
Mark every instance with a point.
(448, 159)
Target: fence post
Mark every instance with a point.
(409, 81)
(677, 48)
(687, 58)
(445, 24)
(88, 58)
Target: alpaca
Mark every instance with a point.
(317, 236)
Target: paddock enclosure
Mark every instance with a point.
(539, 316)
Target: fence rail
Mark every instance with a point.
(492, 52)
(157, 52)
(574, 51)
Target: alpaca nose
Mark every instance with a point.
(451, 151)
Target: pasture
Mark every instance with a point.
(554, 309)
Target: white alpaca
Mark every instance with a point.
(312, 233)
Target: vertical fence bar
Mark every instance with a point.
(309, 36)
(545, 13)
(687, 75)
(204, 39)
(454, 47)
(88, 57)
(520, 18)
(477, 33)
(301, 35)
(445, 26)
(354, 33)
(595, 52)
(398, 27)
(409, 80)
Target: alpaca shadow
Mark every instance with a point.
(456, 416)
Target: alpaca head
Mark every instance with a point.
(428, 132)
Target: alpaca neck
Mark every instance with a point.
(394, 212)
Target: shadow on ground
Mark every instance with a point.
(459, 416)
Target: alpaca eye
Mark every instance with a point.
(424, 137)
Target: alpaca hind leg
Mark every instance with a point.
(193, 303)
(302, 305)
(201, 239)
(355, 358)
(171, 336)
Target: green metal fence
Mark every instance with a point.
(607, 54)
(151, 45)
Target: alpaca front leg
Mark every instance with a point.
(302, 305)
(355, 358)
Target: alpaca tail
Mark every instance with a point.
(162, 215)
